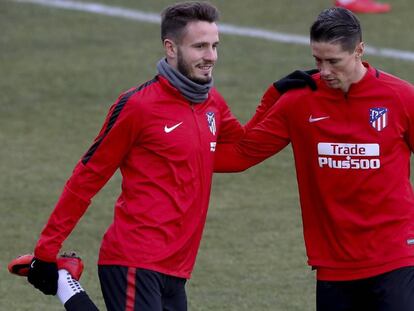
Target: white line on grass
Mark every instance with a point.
(154, 18)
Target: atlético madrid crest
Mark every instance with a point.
(211, 120)
(378, 117)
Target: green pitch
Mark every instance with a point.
(60, 72)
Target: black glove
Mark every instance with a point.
(44, 276)
(295, 80)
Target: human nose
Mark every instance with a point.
(211, 54)
(324, 69)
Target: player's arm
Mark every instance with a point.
(294, 80)
(406, 94)
(231, 130)
(95, 168)
(266, 133)
(258, 143)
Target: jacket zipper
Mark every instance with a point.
(199, 154)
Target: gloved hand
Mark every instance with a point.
(44, 276)
(295, 80)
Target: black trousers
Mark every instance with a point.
(80, 302)
(391, 291)
(135, 289)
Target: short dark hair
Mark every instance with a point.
(175, 18)
(337, 25)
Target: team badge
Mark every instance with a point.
(211, 120)
(378, 117)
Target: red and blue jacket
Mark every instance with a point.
(352, 156)
(164, 146)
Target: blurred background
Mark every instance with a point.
(61, 69)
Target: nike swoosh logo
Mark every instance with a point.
(311, 119)
(172, 128)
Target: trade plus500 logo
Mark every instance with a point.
(349, 156)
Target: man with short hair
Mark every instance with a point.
(163, 136)
(352, 139)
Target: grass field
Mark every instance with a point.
(60, 72)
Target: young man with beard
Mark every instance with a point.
(162, 136)
(352, 139)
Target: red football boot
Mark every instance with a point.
(68, 261)
(365, 6)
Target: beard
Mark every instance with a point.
(185, 69)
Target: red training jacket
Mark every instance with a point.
(164, 146)
(352, 157)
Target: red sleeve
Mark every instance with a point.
(96, 167)
(258, 143)
(230, 128)
(407, 99)
(268, 99)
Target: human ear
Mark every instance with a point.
(359, 50)
(170, 48)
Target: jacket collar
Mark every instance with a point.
(371, 75)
